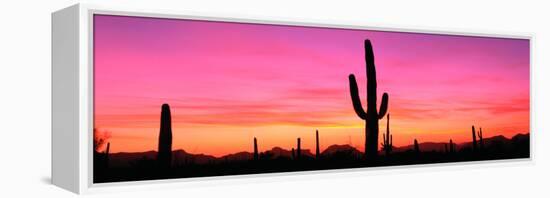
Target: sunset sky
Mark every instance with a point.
(227, 83)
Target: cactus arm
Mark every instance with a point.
(383, 106)
(356, 100)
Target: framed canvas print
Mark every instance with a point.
(143, 96)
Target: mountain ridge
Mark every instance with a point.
(182, 157)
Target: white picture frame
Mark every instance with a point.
(72, 93)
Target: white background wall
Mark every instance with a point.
(25, 99)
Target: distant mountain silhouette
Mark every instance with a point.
(495, 141)
(520, 137)
(424, 146)
(280, 152)
(333, 149)
(240, 156)
(181, 157)
(124, 159)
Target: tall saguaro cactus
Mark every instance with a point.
(317, 152)
(255, 149)
(164, 156)
(387, 143)
(474, 142)
(372, 115)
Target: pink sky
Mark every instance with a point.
(229, 82)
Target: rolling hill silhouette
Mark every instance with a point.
(181, 157)
(490, 142)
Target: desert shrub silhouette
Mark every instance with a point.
(372, 115)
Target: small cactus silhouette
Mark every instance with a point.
(387, 144)
(480, 135)
(164, 155)
(293, 154)
(107, 155)
(298, 149)
(451, 146)
(416, 147)
(317, 152)
(372, 115)
(474, 142)
(255, 149)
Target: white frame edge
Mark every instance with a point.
(71, 107)
(72, 103)
(65, 101)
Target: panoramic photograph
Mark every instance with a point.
(179, 98)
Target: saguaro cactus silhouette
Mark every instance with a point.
(298, 149)
(108, 148)
(164, 156)
(387, 143)
(416, 147)
(293, 154)
(255, 149)
(480, 135)
(107, 155)
(474, 142)
(372, 115)
(451, 146)
(317, 152)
